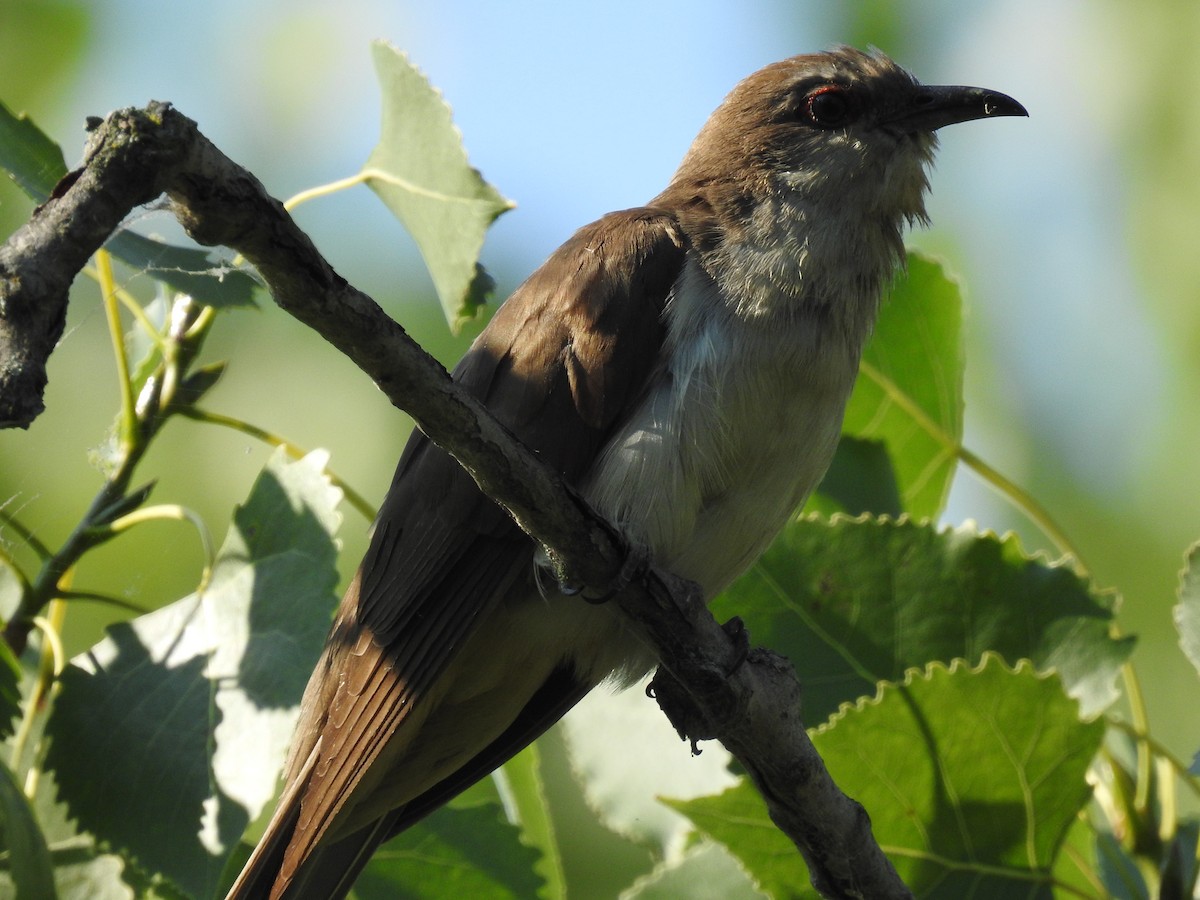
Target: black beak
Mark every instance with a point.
(929, 107)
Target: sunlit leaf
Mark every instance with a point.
(705, 872)
(972, 779)
(191, 707)
(420, 170)
(1076, 867)
(31, 159)
(623, 788)
(526, 791)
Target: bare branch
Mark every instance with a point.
(39, 262)
(710, 684)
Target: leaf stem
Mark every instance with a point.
(108, 290)
(178, 513)
(324, 190)
(34, 544)
(51, 661)
(137, 429)
(109, 599)
(1040, 517)
(1180, 768)
(131, 305)
(1006, 487)
(353, 497)
(1027, 504)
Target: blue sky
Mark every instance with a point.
(1080, 382)
(575, 109)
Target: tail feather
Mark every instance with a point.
(258, 876)
(330, 872)
(330, 869)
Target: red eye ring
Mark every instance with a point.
(829, 106)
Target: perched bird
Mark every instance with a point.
(686, 364)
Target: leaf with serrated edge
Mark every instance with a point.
(972, 779)
(909, 392)
(191, 707)
(624, 796)
(420, 171)
(706, 871)
(24, 843)
(459, 851)
(855, 601)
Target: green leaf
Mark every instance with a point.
(190, 271)
(1187, 613)
(861, 479)
(737, 818)
(705, 872)
(83, 875)
(526, 791)
(31, 159)
(420, 171)
(81, 870)
(1076, 870)
(856, 601)
(1119, 871)
(191, 707)
(623, 797)
(10, 690)
(972, 779)
(909, 392)
(456, 852)
(43, 47)
(28, 857)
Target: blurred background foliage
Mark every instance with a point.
(1075, 233)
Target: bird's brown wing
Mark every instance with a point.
(343, 861)
(560, 364)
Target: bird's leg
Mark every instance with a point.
(637, 561)
(676, 701)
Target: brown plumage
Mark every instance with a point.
(686, 364)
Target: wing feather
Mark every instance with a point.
(559, 365)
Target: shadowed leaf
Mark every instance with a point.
(856, 601)
(191, 707)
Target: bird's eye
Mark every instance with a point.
(829, 106)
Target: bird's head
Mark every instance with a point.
(837, 127)
(811, 167)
